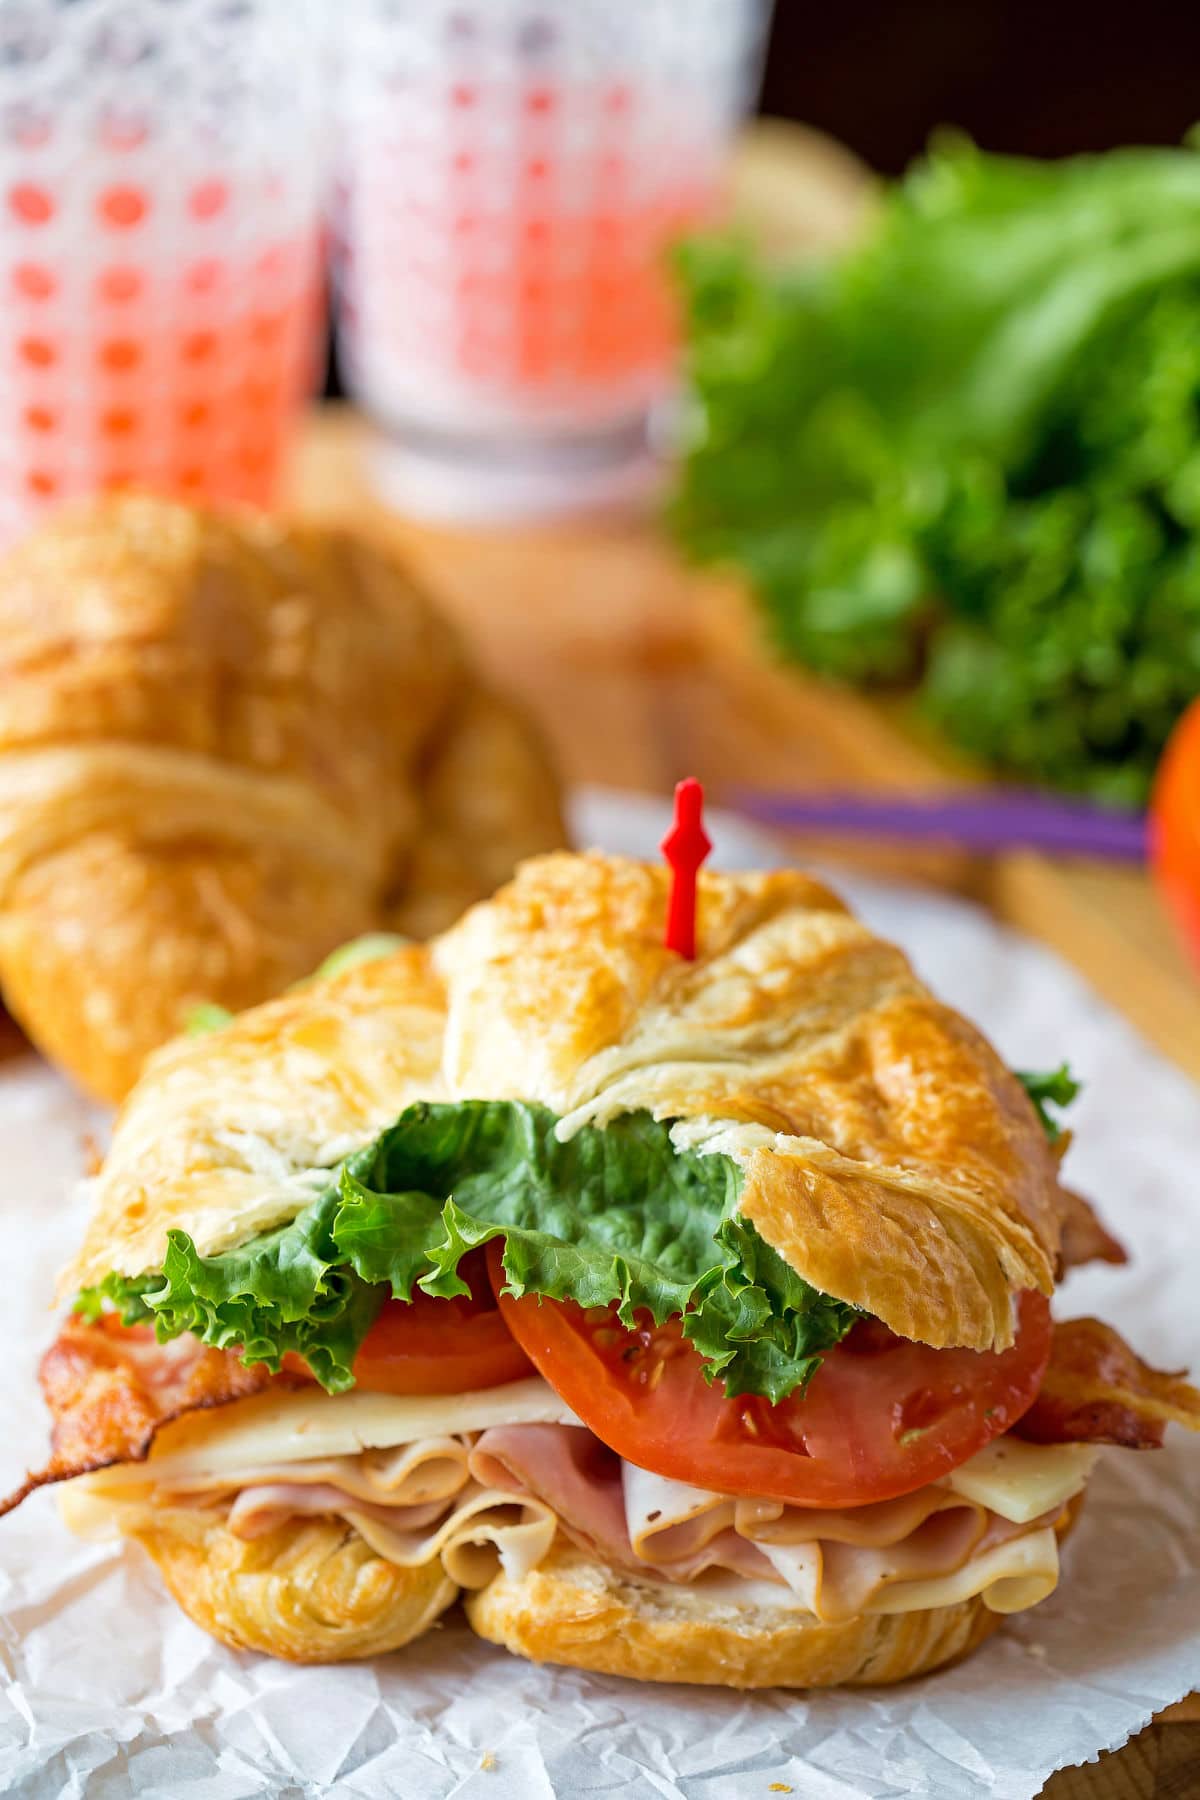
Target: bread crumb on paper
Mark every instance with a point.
(488, 1761)
(779, 1787)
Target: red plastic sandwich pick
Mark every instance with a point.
(685, 847)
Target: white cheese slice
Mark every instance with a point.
(1022, 1481)
(296, 1427)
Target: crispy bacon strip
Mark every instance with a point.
(1098, 1391)
(1084, 1238)
(110, 1388)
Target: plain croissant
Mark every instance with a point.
(228, 745)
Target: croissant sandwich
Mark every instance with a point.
(228, 745)
(690, 1318)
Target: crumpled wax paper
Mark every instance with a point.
(109, 1691)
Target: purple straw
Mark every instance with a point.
(984, 819)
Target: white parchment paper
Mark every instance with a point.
(107, 1691)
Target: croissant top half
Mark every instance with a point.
(887, 1152)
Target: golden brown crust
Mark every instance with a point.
(487, 795)
(567, 965)
(889, 1154)
(571, 1610)
(953, 1212)
(313, 1591)
(237, 923)
(310, 1592)
(227, 1134)
(215, 738)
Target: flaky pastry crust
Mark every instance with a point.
(310, 1592)
(575, 1611)
(231, 1133)
(223, 740)
(887, 1151)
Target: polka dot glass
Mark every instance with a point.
(511, 173)
(160, 200)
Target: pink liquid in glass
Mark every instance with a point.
(136, 368)
(521, 281)
(160, 238)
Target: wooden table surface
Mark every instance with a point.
(641, 672)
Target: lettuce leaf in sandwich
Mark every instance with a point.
(613, 1214)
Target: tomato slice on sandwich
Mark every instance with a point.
(432, 1346)
(881, 1416)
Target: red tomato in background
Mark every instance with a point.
(1175, 826)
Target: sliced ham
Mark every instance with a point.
(475, 1497)
(836, 1563)
(838, 1580)
(500, 1497)
(431, 1469)
(583, 1484)
(569, 1470)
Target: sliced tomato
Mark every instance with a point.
(881, 1416)
(431, 1346)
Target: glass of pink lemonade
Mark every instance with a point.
(512, 173)
(160, 208)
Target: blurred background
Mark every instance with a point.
(1013, 74)
(1031, 79)
(805, 399)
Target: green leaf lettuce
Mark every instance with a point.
(967, 455)
(613, 1214)
(1049, 1088)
